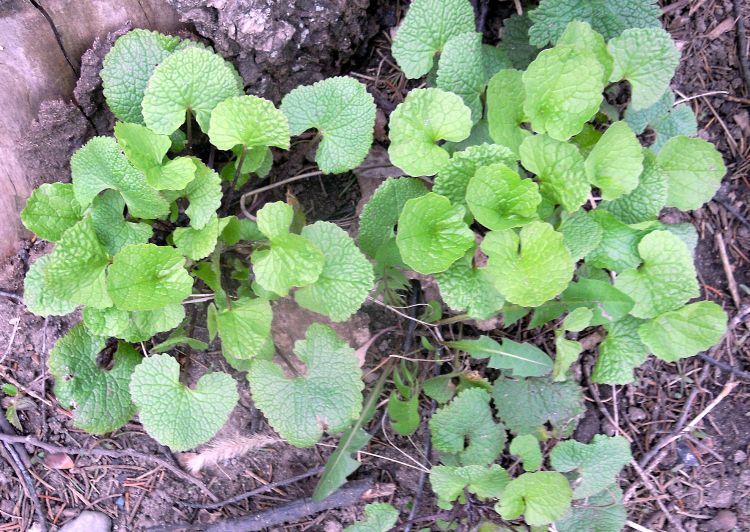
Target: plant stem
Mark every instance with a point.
(237, 171)
(275, 185)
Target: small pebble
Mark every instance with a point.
(739, 457)
(89, 522)
(721, 499)
(636, 414)
(724, 521)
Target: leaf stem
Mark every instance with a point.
(189, 121)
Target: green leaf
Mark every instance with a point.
(461, 70)
(432, 233)
(108, 217)
(542, 498)
(379, 517)
(466, 288)
(545, 313)
(468, 418)
(579, 35)
(347, 275)
(100, 397)
(560, 169)
(454, 177)
(193, 80)
(135, 326)
(37, 296)
(666, 279)
(238, 229)
(179, 337)
(204, 194)
(174, 414)
(567, 352)
(248, 121)
(100, 165)
(645, 202)
(245, 327)
(526, 447)
(615, 162)
(404, 414)
(197, 244)
(603, 512)
(620, 352)
(557, 403)
(127, 68)
(608, 17)
(275, 219)
(425, 117)
(582, 234)
(563, 91)
(665, 119)
(505, 114)
(76, 271)
(618, 249)
(523, 360)
(531, 267)
(597, 464)
(342, 111)
(515, 41)
(607, 302)
(148, 277)
(578, 319)
(381, 213)
(500, 199)
(684, 332)
(425, 30)
(449, 482)
(327, 397)
(51, 210)
(693, 168)
(647, 58)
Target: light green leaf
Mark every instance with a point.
(647, 58)
(248, 121)
(645, 202)
(108, 217)
(432, 233)
(99, 397)
(466, 288)
(135, 326)
(603, 512)
(557, 403)
(567, 352)
(342, 111)
(51, 210)
(563, 91)
(347, 275)
(693, 168)
(381, 213)
(468, 417)
(404, 414)
(607, 302)
(379, 517)
(526, 447)
(204, 194)
(522, 360)
(684, 332)
(618, 249)
(127, 68)
(615, 162)
(245, 327)
(608, 17)
(578, 319)
(274, 219)
(428, 25)
(238, 229)
(454, 177)
(597, 464)
(500, 199)
(197, 244)
(100, 165)
(666, 279)
(174, 414)
(425, 117)
(505, 114)
(579, 35)
(542, 498)
(327, 397)
(37, 297)
(461, 70)
(179, 337)
(560, 169)
(664, 118)
(148, 277)
(582, 234)
(76, 268)
(192, 80)
(531, 267)
(449, 482)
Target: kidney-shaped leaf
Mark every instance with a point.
(51, 210)
(500, 199)
(248, 121)
(541, 497)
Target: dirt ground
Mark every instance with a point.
(701, 482)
